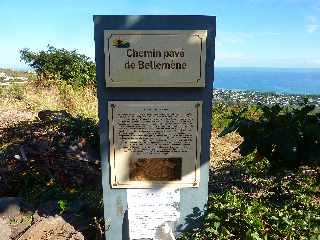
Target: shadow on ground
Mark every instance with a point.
(273, 187)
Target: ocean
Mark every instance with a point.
(278, 80)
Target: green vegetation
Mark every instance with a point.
(286, 137)
(271, 192)
(232, 215)
(13, 91)
(222, 114)
(55, 64)
(282, 206)
(41, 154)
(258, 202)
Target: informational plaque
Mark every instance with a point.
(155, 143)
(153, 213)
(155, 58)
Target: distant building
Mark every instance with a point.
(3, 75)
(21, 78)
(8, 79)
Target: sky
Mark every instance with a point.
(250, 33)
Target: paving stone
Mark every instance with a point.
(52, 228)
(5, 230)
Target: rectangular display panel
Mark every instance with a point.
(154, 143)
(155, 58)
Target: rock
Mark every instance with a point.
(19, 225)
(55, 228)
(17, 214)
(5, 230)
(48, 115)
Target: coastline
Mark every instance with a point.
(266, 98)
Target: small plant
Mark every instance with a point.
(63, 206)
(252, 166)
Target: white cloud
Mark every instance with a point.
(241, 59)
(238, 38)
(311, 28)
(312, 25)
(315, 62)
(264, 34)
(233, 38)
(231, 56)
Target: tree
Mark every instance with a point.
(55, 64)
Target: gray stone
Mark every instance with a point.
(48, 115)
(52, 228)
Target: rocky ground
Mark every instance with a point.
(20, 221)
(13, 116)
(32, 164)
(39, 143)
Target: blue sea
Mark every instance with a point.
(279, 80)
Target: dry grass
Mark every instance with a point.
(22, 103)
(222, 150)
(79, 102)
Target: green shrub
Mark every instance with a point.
(55, 64)
(80, 127)
(14, 91)
(288, 138)
(252, 166)
(235, 216)
(222, 113)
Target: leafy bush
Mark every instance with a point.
(234, 216)
(81, 127)
(286, 137)
(56, 64)
(251, 166)
(284, 206)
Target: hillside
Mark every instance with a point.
(49, 152)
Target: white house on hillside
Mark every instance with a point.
(3, 75)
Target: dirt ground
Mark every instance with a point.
(13, 116)
(224, 149)
(55, 227)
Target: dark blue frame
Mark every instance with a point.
(193, 200)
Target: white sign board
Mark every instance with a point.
(155, 58)
(155, 143)
(153, 213)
